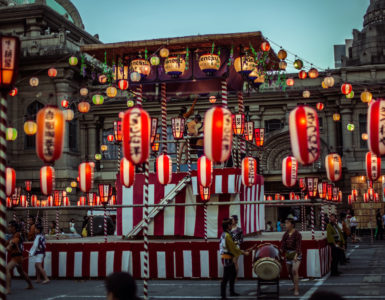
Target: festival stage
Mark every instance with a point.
(177, 259)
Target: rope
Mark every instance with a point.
(164, 116)
(105, 223)
(145, 229)
(139, 95)
(312, 222)
(224, 92)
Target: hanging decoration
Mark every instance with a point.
(110, 138)
(212, 99)
(68, 114)
(289, 171)
(350, 95)
(259, 134)
(83, 92)
(82, 201)
(336, 117)
(290, 82)
(204, 171)
(10, 181)
(329, 81)
(204, 192)
(375, 125)
(65, 103)
(127, 172)
(249, 131)
(265, 46)
(320, 106)
(209, 63)
(86, 176)
(282, 54)
(13, 92)
(350, 127)
(47, 180)
(155, 60)
(249, 171)
(302, 74)
(238, 124)
(52, 72)
(366, 96)
(298, 64)
(164, 52)
(98, 99)
(346, 88)
(111, 92)
(306, 94)
(174, 66)
(123, 84)
(244, 65)
(177, 126)
(164, 168)
(84, 107)
(135, 77)
(140, 66)
(34, 81)
(333, 165)
(373, 166)
(73, 60)
(10, 134)
(30, 127)
(313, 73)
(364, 136)
(282, 65)
(312, 186)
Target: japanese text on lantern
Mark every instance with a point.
(227, 131)
(382, 122)
(8, 54)
(336, 169)
(293, 169)
(374, 166)
(251, 171)
(135, 137)
(49, 133)
(312, 134)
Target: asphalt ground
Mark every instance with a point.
(362, 278)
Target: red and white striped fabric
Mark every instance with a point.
(47, 180)
(136, 127)
(66, 201)
(127, 172)
(10, 181)
(82, 201)
(204, 171)
(375, 125)
(333, 165)
(164, 168)
(218, 135)
(304, 134)
(23, 201)
(188, 220)
(33, 200)
(50, 201)
(86, 176)
(373, 166)
(249, 171)
(289, 171)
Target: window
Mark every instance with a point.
(32, 109)
(362, 119)
(272, 125)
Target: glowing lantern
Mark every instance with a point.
(336, 117)
(371, 193)
(174, 66)
(333, 165)
(291, 196)
(111, 92)
(135, 77)
(123, 84)
(47, 180)
(34, 82)
(265, 46)
(302, 183)
(154, 128)
(9, 61)
(209, 63)
(98, 156)
(33, 200)
(375, 125)
(127, 172)
(350, 127)
(324, 86)
(249, 171)
(217, 134)
(74, 184)
(23, 201)
(130, 103)
(13, 92)
(249, 131)
(155, 143)
(84, 107)
(373, 166)
(118, 131)
(269, 198)
(155, 60)
(86, 177)
(259, 134)
(320, 106)
(238, 123)
(312, 186)
(64, 103)
(354, 194)
(73, 60)
(204, 193)
(213, 99)
(205, 171)
(329, 81)
(66, 201)
(244, 65)
(313, 73)
(97, 99)
(350, 95)
(282, 54)
(141, 66)
(304, 134)
(91, 199)
(28, 185)
(112, 200)
(289, 171)
(164, 52)
(164, 168)
(10, 181)
(298, 64)
(11, 134)
(366, 96)
(282, 65)
(290, 82)
(364, 136)
(69, 189)
(102, 79)
(52, 72)
(346, 88)
(376, 198)
(110, 137)
(83, 92)
(103, 148)
(68, 114)
(177, 126)
(302, 74)
(350, 200)
(136, 128)
(105, 192)
(322, 189)
(306, 94)
(82, 201)
(50, 134)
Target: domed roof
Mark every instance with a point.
(375, 12)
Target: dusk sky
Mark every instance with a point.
(306, 28)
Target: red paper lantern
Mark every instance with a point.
(91, 199)
(82, 201)
(33, 200)
(302, 183)
(50, 202)
(50, 133)
(277, 196)
(302, 74)
(373, 166)
(376, 123)
(350, 199)
(289, 171)
(136, 128)
(118, 131)
(52, 72)
(265, 46)
(269, 198)
(66, 201)
(354, 194)
(47, 180)
(290, 82)
(28, 185)
(177, 125)
(238, 123)
(97, 201)
(13, 92)
(204, 193)
(249, 131)
(291, 196)
(249, 171)
(110, 137)
(105, 192)
(304, 134)
(205, 171)
(333, 165)
(65, 103)
(112, 200)
(320, 106)
(313, 73)
(282, 197)
(366, 198)
(376, 198)
(259, 134)
(57, 198)
(164, 168)
(9, 61)
(86, 176)
(23, 201)
(10, 181)
(127, 172)
(312, 186)
(123, 84)
(346, 88)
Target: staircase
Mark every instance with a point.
(166, 200)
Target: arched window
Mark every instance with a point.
(32, 109)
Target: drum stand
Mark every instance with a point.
(268, 294)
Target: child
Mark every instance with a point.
(37, 254)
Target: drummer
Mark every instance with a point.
(291, 247)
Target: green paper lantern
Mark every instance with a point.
(11, 134)
(73, 61)
(68, 189)
(130, 103)
(350, 126)
(98, 156)
(298, 64)
(350, 95)
(155, 60)
(98, 99)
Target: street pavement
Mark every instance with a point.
(363, 278)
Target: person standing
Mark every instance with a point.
(37, 254)
(291, 247)
(279, 228)
(336, 241)
(380, 226)
(31, 232)
(346, 233)
(72, 226)
(237, 235)
(353, 227)
(228, 250)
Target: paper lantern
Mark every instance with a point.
(322, 189)
(249, 131)
(127, 172)
(289, 171)
(366, 96)
(141, 66)
(269, 198)
(56, 199)
(73, 60)
(249, 171)
(354, 194)
(333, 165)
(346, 88)
(291, 196)
(110, 137)
(47, 180)
(312, 186)
(13, 92)
(204, 193)
(111, 92)
(130, 103)
(218, 134)
(290, 82)
(298, 64)
(33, 200)
(86, 177)
(136, 129)
(155, 60)
(244, 65)
(204, 171)
(23, 201)
(364, 136)
(156, 143)
(324, 86)
(64, 103)
(105, 192)
(302, 74)
(350, 200)
(9, 61)
(282, 65)
(313, 73)
(174, 66)
(28, 185)
(238, 124)
(74, 184)
(213, 99)
(373, 166)
(123, 84)
(336, 117)
(91, 199)
(34, 81)
(98, 99)
(164, 168)
(135, 77)
(375, 127)
(50, 134)
(164, 52)
(82, 201)
(304, 134)
(10, 181)
(103, 148)
(118, 131)
(329, 81)
(84, 107)
(306, 94)
(68, 189)
(302, 183)
(265, 46)
(68, 114)
(66, 201)
(320, 106)
(10, 134)
(177, 126)
(112, 200)
(350, 127)
(209, 63)
(52, 72)
(350, 95)
(259, 134)
(282, 54)
(102, 79)
(83, 92)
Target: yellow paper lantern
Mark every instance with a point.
(141, 66)
(329, 81)
(98, 156)
(103, 148)
(74, 184)
(365, 136)
(34, 81)
(84, 107)
(283, 65)
(282, 54)
(174, 66)
(83, 92)
(324, 85)
(244, 64)
(213, 99)
(164, 52)
(11, 134)
(336, 117)
(68, 114)
(209, 63)
(366, 96)
(111, 91)
(30, 127)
